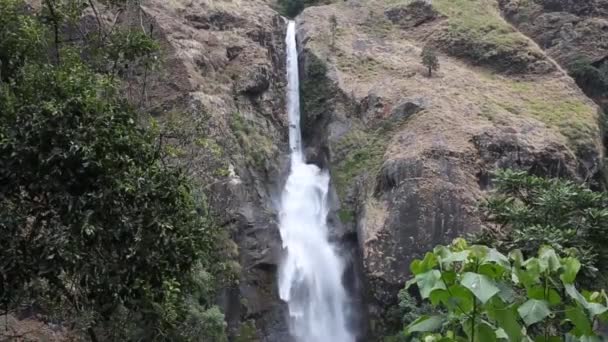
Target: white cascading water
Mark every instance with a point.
(310, 277)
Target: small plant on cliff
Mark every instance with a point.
(593, 80)
(333, 28)
(488, 296)
(430, 59)
(526, 212)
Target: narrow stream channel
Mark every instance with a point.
(310, 276)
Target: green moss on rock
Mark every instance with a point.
(246, 332)
(361, 152)
(474, 30)
(257, 147)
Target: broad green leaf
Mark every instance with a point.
(534, 311)
(506, 317)
(539, 292)
(506, 292)
(574, 294)
(517, 257)
(460, 299)
(529, 275)
(501, 334)
(439, 296)
(425, 324)
(578, 317)
(548, 339)
(459, 244)
(410, 282)
(483, 331)
(424, 265)
(534, 268)
(572, 338)
(479, 251)
(548, 259)
(455, 257)
(553, 297)
(480, 285)
(449, 277)
(441, 253)
(496, 257)
(594, 309)
(571, 267)
(429, 281)
(492, 270)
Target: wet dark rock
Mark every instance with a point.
(414, 14)
(567, 29)
(508, 150)
(220, 21)
(318, 156)
(233, 52)
(254, 82)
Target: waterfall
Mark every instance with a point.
(310, 276)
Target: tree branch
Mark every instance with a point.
(99, 25)
(49, 4)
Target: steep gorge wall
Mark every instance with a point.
(229, 62)
(410, 155)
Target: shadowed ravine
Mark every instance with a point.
(310, 278)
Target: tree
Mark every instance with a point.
(488, 296)
(430, 59)
(333, 28)
(96, 225)
(526, 212)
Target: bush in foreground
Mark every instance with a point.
(484, 295)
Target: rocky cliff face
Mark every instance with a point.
(565, 29)
(574, 33)
(226, 63)
(410, 155)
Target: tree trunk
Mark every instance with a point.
(92, 335)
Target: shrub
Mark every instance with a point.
(430, 59)
(333, 28)
(96, 224)
(291, 8)
(592, 80)
(488, 296)
(526, 212)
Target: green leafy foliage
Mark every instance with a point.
(430, 59)
(98, 229)
(527, 212)
(480, 294)
(291, 8)
(593, 80)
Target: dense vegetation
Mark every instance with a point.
(527, 212)
(482, 295)
(291, 8)
(593, 80)
(546, 237)
(99, 231)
